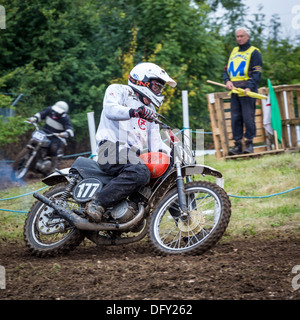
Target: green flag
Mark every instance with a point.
(275, 113)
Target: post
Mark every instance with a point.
(287, 117)
(14, 103)
(2, 18)
(276, 140)
(186, 122)
(92, 132)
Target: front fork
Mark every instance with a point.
(35, 150)
(180, 190)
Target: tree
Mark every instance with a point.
(176, 36)
(48, 55)
(73, 49)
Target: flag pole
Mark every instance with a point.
(276, 140)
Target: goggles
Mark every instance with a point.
(154, 85)
(55, 115)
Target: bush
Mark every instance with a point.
(11, 129)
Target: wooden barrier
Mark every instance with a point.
(288, 98)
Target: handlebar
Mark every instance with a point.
(47, 134)
(156, 120)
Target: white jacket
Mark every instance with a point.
(116, 124)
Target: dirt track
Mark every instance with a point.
(258, 268)
(243, 269)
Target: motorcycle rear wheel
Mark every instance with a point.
(45, 233)
(209, 214)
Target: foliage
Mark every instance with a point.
(73, 49)
(280, 63)
(11, 129)
(5, 101)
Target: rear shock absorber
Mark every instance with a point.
(69, 188)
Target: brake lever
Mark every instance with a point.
(156, 120)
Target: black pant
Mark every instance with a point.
(56, 147)
(129, 172)
(243, 113)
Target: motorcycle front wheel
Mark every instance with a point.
(20, 167)
(209, 211)
(46, 233)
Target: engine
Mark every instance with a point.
(43, 165)
(124, 211)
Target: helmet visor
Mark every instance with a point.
(156, 86)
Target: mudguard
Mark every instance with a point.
(55, 177)
(170, 180)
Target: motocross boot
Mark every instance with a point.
(237, 149)
(249, 147)
(95, 211)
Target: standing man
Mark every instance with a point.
(243, 71)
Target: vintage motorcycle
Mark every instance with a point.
(35, 156)
(180, 213)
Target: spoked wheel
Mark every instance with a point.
(209, 211)
(19, 166)
(46, 233)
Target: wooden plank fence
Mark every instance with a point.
(288, 98)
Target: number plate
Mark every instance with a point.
(38, 136)
(86, 189)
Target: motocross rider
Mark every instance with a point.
(126, 127)
(56, 121)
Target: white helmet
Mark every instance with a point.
(148, 79)
(60, 107)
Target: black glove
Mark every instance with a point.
(142, 112)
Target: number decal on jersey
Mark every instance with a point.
(86, 189)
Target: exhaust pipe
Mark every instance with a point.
(83, 224)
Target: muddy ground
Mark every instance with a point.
(257, 268)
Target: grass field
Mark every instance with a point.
(244, 178)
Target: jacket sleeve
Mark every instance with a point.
(256, 69)
(43, 114)
(225, 75)
(113, 104)
(68, 125)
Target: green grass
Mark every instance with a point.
(11, 222)
(253, 177)
(262, 177)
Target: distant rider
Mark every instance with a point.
(56, 121)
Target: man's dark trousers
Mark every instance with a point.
(243, 112)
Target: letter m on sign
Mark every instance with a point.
(239, 70)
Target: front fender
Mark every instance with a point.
(170, 180)
(55, 177)
(200, 169)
